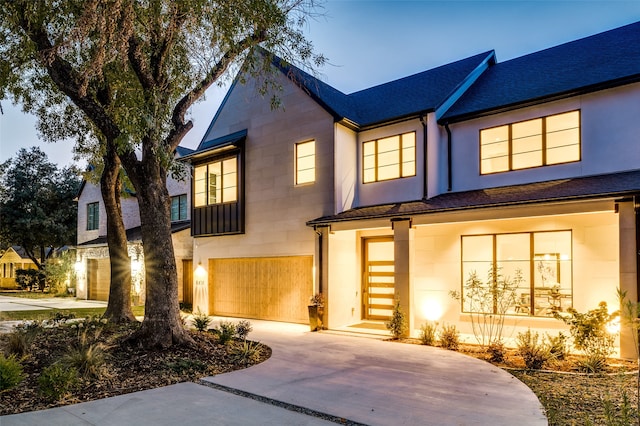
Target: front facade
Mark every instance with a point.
(529, 169)
(11, 260)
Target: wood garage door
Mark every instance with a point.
(98, 277)
(270, 288)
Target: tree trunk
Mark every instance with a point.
(162, 326)
(119, 305)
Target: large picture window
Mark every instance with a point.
(216, 182)
(93, 216)
(179, 207)
(305, 162)
(543, 260)
(389, 158)
(554, 139)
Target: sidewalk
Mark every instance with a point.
(353, 380)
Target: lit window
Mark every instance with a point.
(305, 162)
(216, 182)
(93, 216)
(528, 273)
(389, 158)
(540, 142)
(179, 207)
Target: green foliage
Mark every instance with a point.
(558, 345)
(20, 339)
(496, 351)
(488, 302)
(398, 323)
(87, 356)
(225, 331)
(182, 365)
(201, 321)
(30, 279)
(246, 352)
(450, 337)
(590, 335)
(533, 350)
(622, 415)
(59, 273)
(243, 328)
(10, 372)
(55, 382)
(428, 333)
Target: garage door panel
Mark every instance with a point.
(274, 288)
(99, 278)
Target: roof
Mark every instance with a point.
(409, 96)
(135, 234)
(607, 59)
(583, 188)
(206, 146)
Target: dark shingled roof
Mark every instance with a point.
(412, 95)
(603, 60)
(583, 188)
(135, 234)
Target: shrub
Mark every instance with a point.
(30, 279)
(243, 328)
(10, 372)
(55, 382)
(19, 342)
(398, 324)
(226, 330)
(496, 351)
(533, 350)
(558, 345)
(428, 333)
(246, 352)
(88, 358)
(201, 321)
(449, 337)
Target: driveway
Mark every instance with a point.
(323, 378)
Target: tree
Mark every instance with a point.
(133, 69)
(37, 207)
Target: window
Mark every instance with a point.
(179, 207)
(543, 260)
(93, 216)
(305, 162)
(389, 158)
(216, 182)
(554, 139)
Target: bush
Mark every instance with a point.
(398, 324)
(428, 333)
(243, 328)
(201, 321)
(88, 358)
(225, 331)
(246, 352)
(30, 279)
(496, 351)
(533, 350)
(55, 382)
(558, 345)
(450, 337)
(10, 372)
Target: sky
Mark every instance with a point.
(372, 42)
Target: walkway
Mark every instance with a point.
(352, 380)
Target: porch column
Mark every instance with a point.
(628, 268)
(402, 238)
(321, 263)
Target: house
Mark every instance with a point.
(93, 267)
(529, 168)
(11, 260)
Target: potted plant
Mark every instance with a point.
(316, 310)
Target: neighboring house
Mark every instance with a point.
(12, 259)
(93, 266)
(529, 166)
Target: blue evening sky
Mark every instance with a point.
(372, 42)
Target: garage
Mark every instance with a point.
(269, 288)
(98, 279)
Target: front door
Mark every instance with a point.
(378, 287)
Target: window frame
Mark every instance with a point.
(207, 189)
(544, 147)
(401, 160)
(297, 160)
(530, 275)
(93, 216)
(179, 199)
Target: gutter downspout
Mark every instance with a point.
(449, 159)
(425, 192)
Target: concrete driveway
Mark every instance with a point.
(321, 378)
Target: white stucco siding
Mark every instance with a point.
(393, 190)
(609, 140)
(276, 209)
(346, 168)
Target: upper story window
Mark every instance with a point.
(389, 158)
(305, 162)
(179, 207)
(93, 216)
(216, 182)
(554, 139)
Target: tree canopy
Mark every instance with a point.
(37, 207)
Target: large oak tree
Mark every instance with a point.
(134, 68)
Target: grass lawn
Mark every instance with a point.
(31, 294)
(44, 314)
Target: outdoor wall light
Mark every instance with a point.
(200, 272)
(432, 310)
